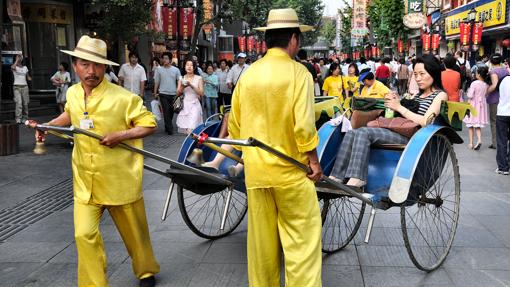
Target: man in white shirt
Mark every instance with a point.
(21, 97)
(132, 76)
(236, 71)
(371, 64)
(503, 127)
(225, 93)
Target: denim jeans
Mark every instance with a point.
(503, 138)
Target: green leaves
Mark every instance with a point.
(328, 31)
(386, 21)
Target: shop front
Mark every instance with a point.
(494, 16)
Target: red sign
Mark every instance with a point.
(425, 38)
(477, 33)
(241, 40)
(187, 22)
(264, 47)
(400, 46)
(169, 21)
(374, 51)
(435, 41)
(251, 43)
(464, 33)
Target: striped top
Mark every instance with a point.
(426, 102)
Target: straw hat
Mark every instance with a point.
(91, 49)
(284, 18)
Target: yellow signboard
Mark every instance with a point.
(490, 14)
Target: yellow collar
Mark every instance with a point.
(98, 90)
(277, 52)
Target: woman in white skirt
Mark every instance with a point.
(61, 80)
(192, 86)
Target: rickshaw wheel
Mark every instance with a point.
(203, 213)
(430, 215)
(341, 219)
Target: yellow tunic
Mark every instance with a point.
(378, 90)
(277, 109)
(351, 83)
(334, 86)
(103, 175)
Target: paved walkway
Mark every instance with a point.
(42, 251)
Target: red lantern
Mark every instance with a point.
(465, 28)
(506, 43)
(400, 46)
(242, 43)
(477, 33)
(425, 38)
(435, 41)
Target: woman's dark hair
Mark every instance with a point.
(483, 71)
(402, 61)
(280, 38)
(496, 59)
(224, 60)
(207, 67)
(450, 62)
(332, 68)
(433, 68)
(65, 65)
(356, 71)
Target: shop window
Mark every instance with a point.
(12, 38)
(225, 44)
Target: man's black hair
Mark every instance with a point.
(301, 54)
(133, 54)
(167, 54)
(280, 38)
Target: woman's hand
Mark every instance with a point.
(392, 101)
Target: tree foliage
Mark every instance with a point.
(328, 31)
(386, 21)
(345, 14)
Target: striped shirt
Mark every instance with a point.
(426, 102)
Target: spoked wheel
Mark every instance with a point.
(430, 215)
(203, 213)
(341, 219)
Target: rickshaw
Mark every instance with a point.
(420, 178)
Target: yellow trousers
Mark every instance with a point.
(131, 223)
(284, 218)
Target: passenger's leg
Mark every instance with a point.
(263, 242)
(299, 227)
(343, 155)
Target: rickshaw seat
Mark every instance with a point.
(390, 146)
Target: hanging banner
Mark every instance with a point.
(359, 19)
(477, 33)
(435, 41)
(169, 22)
(374, 51)
(187, 22)
(208, 15)
(400, 46)
(259, 47)
(465, 28)
(425, 38)
(251, 43)
(241, 40)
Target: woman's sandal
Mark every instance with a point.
(477, 146)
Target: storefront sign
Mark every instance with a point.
(425, 38)
(56, 14)
(492, 13)
(465, 28)
(415, 6)
(241, 40)
(477, 33)
(187, 22)
(208, 15)
(435, 41)
(414, 20)
(359, 19)
(169, 22)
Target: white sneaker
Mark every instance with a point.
(501, 172)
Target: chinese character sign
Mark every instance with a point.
(425, 38)
(208, 15)
(241, 40)
(415, 6)
(359, 19)
(169, 22)
(251, 44)
(464, 33)
(477, 33)
(435, 41)
(187, 22)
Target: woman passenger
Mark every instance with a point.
(352, 159)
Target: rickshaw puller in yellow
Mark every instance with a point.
(105, 177)
(273, 102)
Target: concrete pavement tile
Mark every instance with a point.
(485, 203)
(478, 258)
(226, 253)
(382, 219)
(476, 237)
(30, 251)
(333, 276)
(477, 278)
(403, 276)
(237, 236)
(499, 226)
(59, 219)
(183, 235)
(180, 252)
(57, 275)
(384, 256)
(345, 257)
(116, 253)
(42, 233)
(12, 274)
(220, 275)
(172, 274)
(381, 236)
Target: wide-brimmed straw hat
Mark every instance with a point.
(91, 49)
(284, 19)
